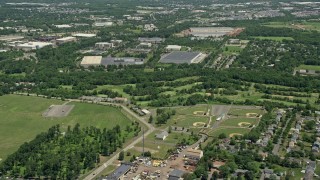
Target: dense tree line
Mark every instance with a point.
(64, 155)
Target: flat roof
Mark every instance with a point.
(115, 175)
(84, 35)
(179, 57)
(121, 60)
(34, 44)
(66, 38)
(176, 173)
(210, 31)
(173, 47)
(91, 60)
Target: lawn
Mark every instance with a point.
(235, 121)
(116, 88)
(309, 67)
(310, 25)
(187, 121)
(227, 50)
(273, 38)
(189, 110)
(21, 119)
(228, 131)
(243, 112)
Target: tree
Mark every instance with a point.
(150, 119)
(121, 156)
(222, 136)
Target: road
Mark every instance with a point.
(114, 157)
(276, 147)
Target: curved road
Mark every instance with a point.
(114, 157)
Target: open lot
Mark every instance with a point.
(58, 111)
(21, 119)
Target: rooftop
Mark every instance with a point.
(176, 173)
(180, 57)
(123, 169)
(91, 60)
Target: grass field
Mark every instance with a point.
(187, 121)
(304, 25)
(243, 112)
(21, 119)
(228, 131)
(227, 50)
(235, 121)
(116, 88)
(309, 67)
(273, 38)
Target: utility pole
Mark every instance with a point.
(143, 143)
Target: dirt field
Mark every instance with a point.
(58, 111)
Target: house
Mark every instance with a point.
(267, 174)
(163, 135)
(194, 154)
(176, 175)
(239, 172)
(120, 172)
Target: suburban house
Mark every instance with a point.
(163, 135)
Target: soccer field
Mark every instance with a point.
(21, 119)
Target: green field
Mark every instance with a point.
(187, 121)
(273, 38)
(21, 119)
(235, 121)
(309, 67)
(228, 131)
(243, 112)
(228, 50)
(304, 25)
(115, 88)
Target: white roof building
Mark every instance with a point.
(84, 35)
(173, 48)
(32, 45)
(91, 61)
(66, 39)
(102, 24)
(63, 26)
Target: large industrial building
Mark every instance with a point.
(121, 61)
(91, 61)
(204, 32)
(153, 40)
(29, 46)
(98, 60)
(181, 57)
(66, 40)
